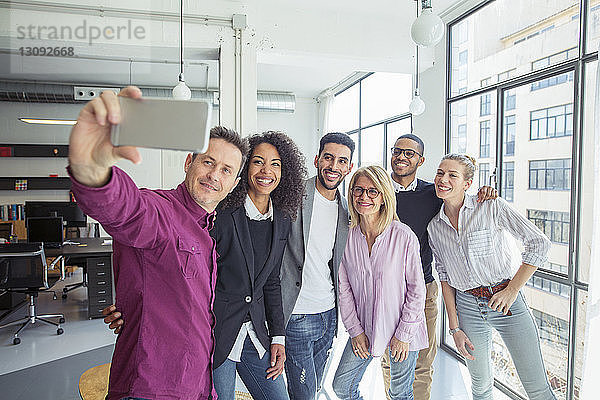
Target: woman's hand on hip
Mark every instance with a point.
(502, 300)
(462, 342)
(398, 350)
(360, 346)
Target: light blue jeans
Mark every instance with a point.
(352, 368)
(520, 335)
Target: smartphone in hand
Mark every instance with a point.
(163, 124)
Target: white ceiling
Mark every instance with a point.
(302, 47)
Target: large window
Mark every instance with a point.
(529, 55)
(552, 122)
(374, 112)
(550, 174)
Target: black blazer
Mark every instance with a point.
(237, 291)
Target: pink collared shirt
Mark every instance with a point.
(383, 294)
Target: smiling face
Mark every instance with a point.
(403, 166)
(450, 182)
(210, 176)
(363, 204)
(333, 164)
(264, 170)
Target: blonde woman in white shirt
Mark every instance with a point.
(480, 287)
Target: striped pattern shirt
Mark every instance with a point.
(479, 254)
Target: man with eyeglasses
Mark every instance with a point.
(416, 205)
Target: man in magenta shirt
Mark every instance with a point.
(164, 259)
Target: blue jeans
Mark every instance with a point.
(253, 371)
(520, 335)
(352, 368)
(308, 341)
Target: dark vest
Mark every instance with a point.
(416, 209)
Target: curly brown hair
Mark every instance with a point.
(287, 196)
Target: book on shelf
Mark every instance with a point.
(12, 212)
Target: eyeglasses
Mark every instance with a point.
(357, 191)
(408, 153)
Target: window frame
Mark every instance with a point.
(359, 130)
(576, 66)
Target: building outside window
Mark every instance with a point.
(463, 70)
(484, 174)
(506, 74)
(554, 58)
(485, 107)
(552, 81)
(508, 181)
(509, 135)
(552, 122)
(484, 139)
(553, 330)
(510, 100)
(554, 224)
(550, 174)
(549, 286)
(461, 138)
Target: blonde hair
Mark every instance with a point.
(382, 182)
(468, 163)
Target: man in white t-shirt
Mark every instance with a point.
(309, 270)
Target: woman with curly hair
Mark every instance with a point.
(251, 233)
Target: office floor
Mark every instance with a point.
(47, 366)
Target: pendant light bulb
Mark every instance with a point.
(417, 105)
(182, 91)
(428, 29)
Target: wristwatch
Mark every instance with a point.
(453, 331)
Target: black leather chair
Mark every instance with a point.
(23, 269)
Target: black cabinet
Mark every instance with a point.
(100, 288)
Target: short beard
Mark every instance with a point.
(325, 185)
(410, 172)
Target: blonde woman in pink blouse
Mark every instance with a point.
(381, 289)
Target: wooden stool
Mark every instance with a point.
(93, 383)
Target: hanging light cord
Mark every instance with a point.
(181, 40)
(417, 58)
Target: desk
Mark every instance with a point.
(96, 260)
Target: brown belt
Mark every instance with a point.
(487, 292)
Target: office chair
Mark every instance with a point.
(6, 230)
(23, 269)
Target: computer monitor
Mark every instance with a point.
(68, 210)
(48, 230)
